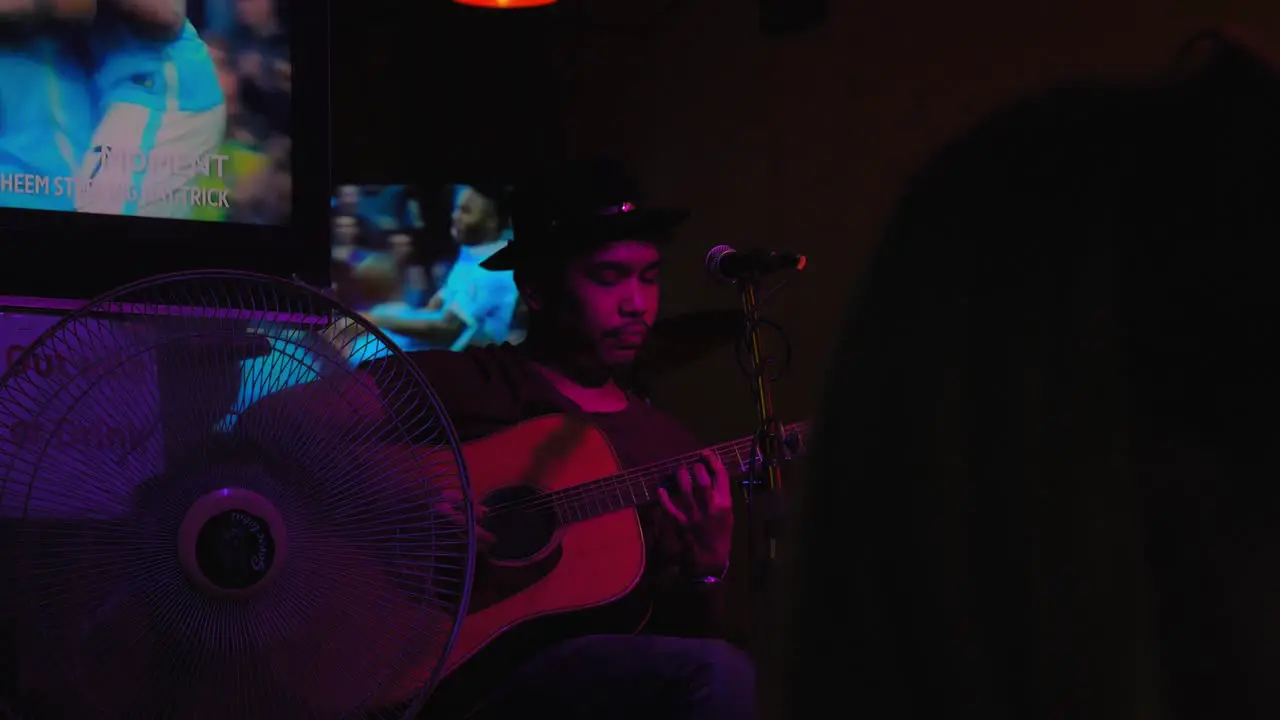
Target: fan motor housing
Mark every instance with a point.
(232, 542)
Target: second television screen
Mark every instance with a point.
(408, 258)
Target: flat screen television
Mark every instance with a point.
(407, 257)
(132, 133)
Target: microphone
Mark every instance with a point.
(725, 263)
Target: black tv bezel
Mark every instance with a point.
(80, 255)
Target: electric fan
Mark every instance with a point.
(206, 512)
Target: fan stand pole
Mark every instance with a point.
(763, 487)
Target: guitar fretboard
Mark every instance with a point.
(639, 487)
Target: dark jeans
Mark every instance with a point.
(621, 677)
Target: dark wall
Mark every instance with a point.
(429, 90)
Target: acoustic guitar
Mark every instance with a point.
(569, 543)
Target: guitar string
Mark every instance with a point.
(594, 487)
(644, 472)
(614, 482)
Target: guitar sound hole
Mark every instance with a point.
(522, 522)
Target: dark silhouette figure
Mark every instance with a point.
(1047, 484)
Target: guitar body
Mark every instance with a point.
(538, 570)
(538, 567)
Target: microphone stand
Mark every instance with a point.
(763, 484)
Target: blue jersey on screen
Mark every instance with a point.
(46, 119)
(162, 75)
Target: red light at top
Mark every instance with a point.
(505, 4)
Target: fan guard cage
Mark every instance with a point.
(153, 413)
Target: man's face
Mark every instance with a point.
(348, 199)
(345, 230)
(475, 220)
(613, 299)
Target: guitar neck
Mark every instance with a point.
(639, 487)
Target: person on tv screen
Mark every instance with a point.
(163, 114)
(261, 47)
(346, 202)
(374, 251)
(46, 106)
(355, 236)
(473, 306)
(134, 112)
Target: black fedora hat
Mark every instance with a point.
(577, 209)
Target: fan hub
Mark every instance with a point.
(235, 549)
(232, 542)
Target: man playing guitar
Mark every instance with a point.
(586, 260)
